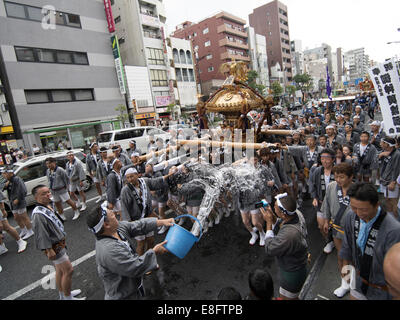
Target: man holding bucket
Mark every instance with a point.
(119, 266)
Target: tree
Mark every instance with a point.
(123, 114)
(291, 90)
(303, 82)
(252, 77)
(276, 89)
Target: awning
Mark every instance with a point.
(68, 127)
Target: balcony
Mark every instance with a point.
(237, 57)
(150, 21)
(235, 44)
(225, 29)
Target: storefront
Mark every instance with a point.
(78, 136)
(146, 119)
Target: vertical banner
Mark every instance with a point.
(387, 86)
(109, 16)
(118, 64)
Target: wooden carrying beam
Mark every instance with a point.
(219, 144)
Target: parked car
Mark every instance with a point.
(139, 134)
(33, 171)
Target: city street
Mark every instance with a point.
(222, 258)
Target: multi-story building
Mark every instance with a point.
(297, 54)
(140, 27)
(357, 63)
(216, 40)
(183, 73)
(271, 21)
(58, 71)
(7, 136)
(259, 58)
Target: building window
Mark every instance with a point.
(112, 2)
(58, 95)
(121, 41)
(209, 56)
(178, 73)
(176, 55)
(207, 44)
(189, 59)
(185, 75)
(117, 19)
(25, 54)
(195, 34)
(210, 69)
(191, 75)
(182, 56)
(206, 30)
(151, 33)
(159, 78)
(155, 56)
(22, 11)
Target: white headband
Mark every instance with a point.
(390, 144)
(130, 171)
(100, 225)
(278, 200)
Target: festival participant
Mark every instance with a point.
(114, 186)
(286, 239)
(322, 141)
(50, 238)
(335, 208)
(365, 155)
(261, 285)
(333, 138)
(16, 191)
(360, 113)
(119, 267)
(270, 174)
(319, 126)
(59, 184)
(341, 157)
(377, 135)
(348, 155)
(249, 194)
(341, 124)
(369, 234)
(133, 149)
(358, 126)
(136, 203)
(135, 163)
(389, 170)
(5, 226)
(120, 156)
(103, 168)
(391, 269)
(76, 176)
(92, 160)
(320, 179)
(351, 137)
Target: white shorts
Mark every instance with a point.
(61, 260)
(19, 211)
(75, 186)
(63, 197)
(390, 194)
(252, 212)
(193, 210)
(142, 238)
(160, 205)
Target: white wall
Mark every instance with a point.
(138, 83)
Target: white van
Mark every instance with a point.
(33, 171)
(139, 134)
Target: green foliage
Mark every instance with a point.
(303, 82)
(276, 89)
(252, 82)
(123, 113)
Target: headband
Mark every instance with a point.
(100, 225)
(385, 141)
(112, 163)
(131, 171)
(278, 200)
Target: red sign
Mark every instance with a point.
(109, 15)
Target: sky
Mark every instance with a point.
(349, 24)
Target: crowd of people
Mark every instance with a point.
(334, 157)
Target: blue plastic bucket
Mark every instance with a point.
(180, 241)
